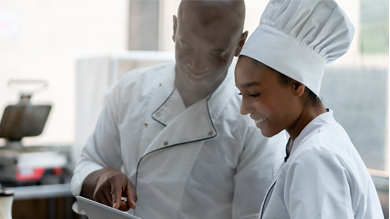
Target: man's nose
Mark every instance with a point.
(198, 64)
(245, 108)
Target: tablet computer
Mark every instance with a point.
(96, 210)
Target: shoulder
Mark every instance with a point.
(329, 140)
(146, 74)
(138, 84)
(142, 80)
(322, 150)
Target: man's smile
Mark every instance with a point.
(197, 75)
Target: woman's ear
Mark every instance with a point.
(299, 88)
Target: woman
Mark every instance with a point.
(279, 76)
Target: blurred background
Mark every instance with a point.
(66, 54)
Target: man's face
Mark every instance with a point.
(204, 51)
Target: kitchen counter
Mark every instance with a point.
(41, 191)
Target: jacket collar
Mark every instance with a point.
(169, 109)
(323, 119)
(192, 124)
(172, 104)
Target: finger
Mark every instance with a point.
(124, 206)
(101, 198)
(116, 194)
(131, 195)
(106, 201)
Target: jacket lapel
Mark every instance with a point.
(192, 124)
(170, 109)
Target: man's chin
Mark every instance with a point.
(194, 85)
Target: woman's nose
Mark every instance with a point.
(245, 107)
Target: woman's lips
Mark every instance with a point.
(258, 121)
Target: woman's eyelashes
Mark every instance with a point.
(251, 94)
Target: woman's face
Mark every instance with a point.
(273, 106)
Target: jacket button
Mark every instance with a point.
(158, 114)
(165, 143)
(145, 124)
(159, 84)
(210, 133)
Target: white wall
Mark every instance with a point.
(51, 34)
(254, 9)
(353, 59)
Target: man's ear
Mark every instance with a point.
(241, 43)
(298, 88)
(174, 27)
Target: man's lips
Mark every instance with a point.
(197, 75)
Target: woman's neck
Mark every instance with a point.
(307, 115)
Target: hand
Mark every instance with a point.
(107, 186)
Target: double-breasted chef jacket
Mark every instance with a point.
(204, 161)
(324, 177)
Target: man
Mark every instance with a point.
(176, 130)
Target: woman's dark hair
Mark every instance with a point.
(285, 80)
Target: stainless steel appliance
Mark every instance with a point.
(21, 165)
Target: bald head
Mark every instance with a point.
(207, 35)
(229, 13)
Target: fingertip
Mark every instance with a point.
(131, 204)
(115, 203)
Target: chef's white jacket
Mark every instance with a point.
(324, 177)
(204, 161)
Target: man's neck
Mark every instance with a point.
(191, 97)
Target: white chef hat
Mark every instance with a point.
(297, 38)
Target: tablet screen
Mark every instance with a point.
(96, 210)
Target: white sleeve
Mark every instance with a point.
(103, 146)
(258, 164)
(317, 186)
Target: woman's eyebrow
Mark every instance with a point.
(250, 84)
